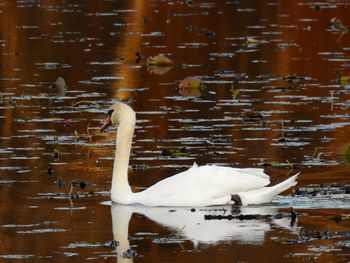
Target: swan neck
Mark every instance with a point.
(120, 184)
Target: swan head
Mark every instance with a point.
(119, 113)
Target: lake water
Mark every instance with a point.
(287, 62)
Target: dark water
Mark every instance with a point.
(289, 61)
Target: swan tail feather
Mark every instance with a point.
(285, 185)
(267, 194)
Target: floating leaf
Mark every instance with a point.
(344, 150)
(347, 150)
(251, 41)
(235, 92)
(344, 80)
(159, 60)
(191, 83)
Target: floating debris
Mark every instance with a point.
(292, 78)
(129, 253)
(190, 3)
(252, 116)
(77, 135)
(293, 217)
(308, 235)
(59, 182)
(162, 240)
(50, 171)
(56, 154)
(59, 84)
(81, 185)
(64, 196)
(112, 243)
(242, 217)
(337, 25)
(337, 218)
(142, 167)
(323, 190)
(175, 152)
(138, 58)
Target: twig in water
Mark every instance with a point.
(319, 156)
(290, 171)
(332, 97)
(183, 248)
(76, 135)
(71, 189)
(341, 35)
(177, 237)
(87, 102)
(293, 217)
(290, 164)
(88, 132)
(223, 208)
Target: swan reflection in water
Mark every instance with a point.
(191, 225)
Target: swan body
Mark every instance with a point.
(198, 186)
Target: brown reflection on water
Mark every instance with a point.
(92, 45)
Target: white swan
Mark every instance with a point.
(198, 186)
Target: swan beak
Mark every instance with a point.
(107, 123)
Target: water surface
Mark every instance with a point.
(285, 60)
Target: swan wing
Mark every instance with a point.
(202, 185)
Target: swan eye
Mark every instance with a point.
(110, 112)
